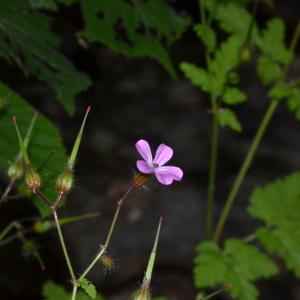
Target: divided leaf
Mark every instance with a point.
(52, 291)
(278, 205)
(234, 96)
(234, 19)
(197, 76)
(268, 70)
(46, 149)
(271, 42)
(227, 117)
(134, 30)
(207, 35)
(239, 265)
(88, 287)
(26, 41)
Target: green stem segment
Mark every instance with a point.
(63, 245)
(150, 266)
(8, 228)
(244, 168)
(212, 176)
(109, 235)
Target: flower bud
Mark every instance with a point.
(32, 178)
(16, 169)
(42, 226)
(144, 292)
(64, 181)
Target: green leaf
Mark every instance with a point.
(46, 150)
(52, 291)
(280, 91)
(239, 265)
(268, 70)
(277, 205)
(293, 103)
(88, 287)
(207, 35)
(271, 42)
(227, 117)
(233, 96)
(26, 40)
(198, 76)
(233, 19)
(227, 57)
(134, 30)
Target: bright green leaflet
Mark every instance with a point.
(46, 150)
(52, 291)
(239, 264)
(278, 205)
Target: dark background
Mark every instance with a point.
(133, 99)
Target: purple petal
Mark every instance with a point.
(144, 150)
(166, 175)
(163, 154)
(144, 167)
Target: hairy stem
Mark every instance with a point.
(110, 232)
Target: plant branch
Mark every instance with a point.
(110, 232)
(252, 150)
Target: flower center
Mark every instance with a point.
(155, 165)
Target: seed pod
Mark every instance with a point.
(32, 178)
(16, 169)
(64, 181)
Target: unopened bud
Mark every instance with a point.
(64, 181)
(139, 180)
(42, 226)
(16, 169)
(32, 178)
(144, 292)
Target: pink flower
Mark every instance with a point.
(164, 174)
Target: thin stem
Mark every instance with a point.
(212, 176)
(214, 144)
(57, 201)
(244, 168)
(8, 228)
(10, 185)
(110, 232)
(252, 150)
(63, 245)
(74, 291)
(43, 197)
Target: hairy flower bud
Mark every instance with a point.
(16, 169)
(32, 178)
(64, 181)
